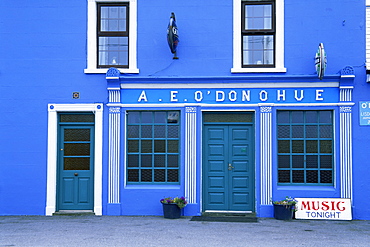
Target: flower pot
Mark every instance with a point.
(283, 212)
(171, 211)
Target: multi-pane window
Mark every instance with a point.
(113, 38)
(258, 33)
(153, 147)
(305, 147)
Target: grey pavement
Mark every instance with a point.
(157, 231)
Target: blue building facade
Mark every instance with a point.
(97, 114)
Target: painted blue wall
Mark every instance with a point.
(43, 54)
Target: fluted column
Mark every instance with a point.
(266, 154)
(190, 154)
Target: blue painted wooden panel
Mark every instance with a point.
(227, 188)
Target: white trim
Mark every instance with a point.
(279, 40)
(229, 105)
(51, 187)
(241, 85)
(266, 153)
(92, 43)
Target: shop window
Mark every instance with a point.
(153, 147)
(258, 44)
(305, 147)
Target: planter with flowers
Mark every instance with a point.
(284, 209)
(172, 207)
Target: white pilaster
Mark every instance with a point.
(266, 155)
(190, 154)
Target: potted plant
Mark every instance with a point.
(172, 207)
(284, 209)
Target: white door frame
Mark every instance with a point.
(51, 192)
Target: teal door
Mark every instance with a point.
(228, 167)
(75, 167)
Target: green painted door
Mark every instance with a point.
(75, 167)
(228, 167)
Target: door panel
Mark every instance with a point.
(228, 168)
(75, 168)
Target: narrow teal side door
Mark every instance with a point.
(228, 168)
(75, 168)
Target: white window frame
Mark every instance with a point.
(279, 41)
(92, 37)
(51, 186)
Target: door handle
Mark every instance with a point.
(76, 174)
(230, 167)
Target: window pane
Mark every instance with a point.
(311, 131)
(133, 160)
(160, 131)
(312, 146)
(146, 131)
(113, 51)
(298, 161)
(76, 163)
(173, 161)
(326, 161)
(297, 146)
(283, 117)
(146, 160)
(159, 160)
(146, 146)
(326, 177)
(146, 175)
(326, 147)
(283, 161)
(133, 117)
(113, 19)
(133, 131)
(312, 177)
(325, 116)
(133, 175)
(284, 176)
(311, 117)
(173, 175)
(159, 175)
(133, 146)
(258, 17)
(298, 176)
(326, 131)
(283, 131)
(258, 50)
(297, 117)
(297, 131)
(283, 146)
(312, 161)
(76, 134)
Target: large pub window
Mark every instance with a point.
(305, 147)
(153, 147)
(258, 33)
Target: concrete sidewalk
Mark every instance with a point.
(157, 231)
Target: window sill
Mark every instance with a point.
(104, 71)
(258, 70)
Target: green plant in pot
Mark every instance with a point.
(172, 207)
(284, 209)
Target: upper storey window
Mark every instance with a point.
(113, 30)
(258, 36)
(112, 36)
